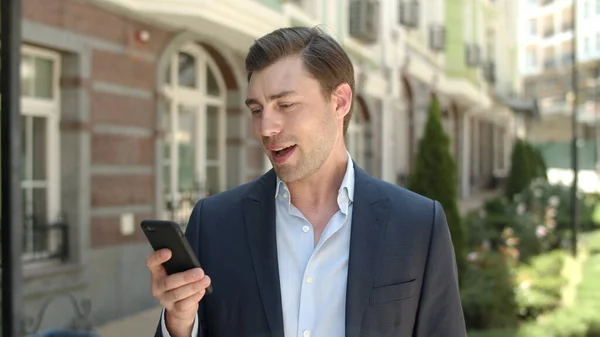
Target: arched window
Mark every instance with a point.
(194, 155)
(355, 137)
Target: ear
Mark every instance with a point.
(341, 98)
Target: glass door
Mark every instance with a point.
(183, 161)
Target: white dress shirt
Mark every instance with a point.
(312, 277)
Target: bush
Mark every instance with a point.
(593, 244)
(435, 177)
(501, 225)
(527, 164)
(582, 319)
(488, 296)
(540, 164)
(553, 202)
(540, 284)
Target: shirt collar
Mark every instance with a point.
(345, 192)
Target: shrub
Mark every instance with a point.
(540, 284)
(521, 169)
(502, 225)
(543, 199)
(527, 164)
(488, 296)
(593, 244)
(540, 163)
(578, 320)
(434, 176)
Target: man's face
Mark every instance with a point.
(296, 125)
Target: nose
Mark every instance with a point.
(270, 123)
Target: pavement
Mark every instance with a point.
(141, 324)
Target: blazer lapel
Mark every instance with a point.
(259, 217)
(368, 226)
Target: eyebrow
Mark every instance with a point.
(272, 97)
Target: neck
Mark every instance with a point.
(321, 187)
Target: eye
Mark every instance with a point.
(286, 105)
(255, 111)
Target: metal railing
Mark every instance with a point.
(180, 210)
(549, 64)
(43, 241)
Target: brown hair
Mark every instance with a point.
(322, 56)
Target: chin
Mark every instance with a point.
(288, 173)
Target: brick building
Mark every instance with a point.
(134, 110)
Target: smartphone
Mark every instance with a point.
(167, 234)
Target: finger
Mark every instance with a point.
(156, 259)
(185, 291)
(180, 279)
(189, 303)
(205, 281)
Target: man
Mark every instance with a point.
(315, 247)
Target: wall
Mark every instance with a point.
(108, 132)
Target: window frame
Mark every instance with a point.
(49, 109)
(356, 136)
(200, 99)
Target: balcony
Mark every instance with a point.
(550, 64)
(44, 241)
(364, 20)
(567, 27)
(567, 58)
(408, 15)
(437, 38)
(548, 32)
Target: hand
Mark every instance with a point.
(179, 293)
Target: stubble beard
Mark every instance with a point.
(309, 163)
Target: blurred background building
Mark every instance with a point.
(545, 42)
(133, 109)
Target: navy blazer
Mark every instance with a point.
(402, 277)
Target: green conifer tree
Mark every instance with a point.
(522, 168)
(435, 176)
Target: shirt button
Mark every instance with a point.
(306, 333)
(305, 229)
(309, 280)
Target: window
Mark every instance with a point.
(598, 42)
(532, 58)
(532, 27)
(586, 45)
(194, 147)
(548, 25)
(597, 7)
(40, 147)
(549, 58)
(355, 137)
(586, 9)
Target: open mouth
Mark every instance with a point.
(284, 151)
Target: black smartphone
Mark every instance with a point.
(167, 234)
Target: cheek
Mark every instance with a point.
(256, 127)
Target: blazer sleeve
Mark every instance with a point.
(192, 234)
(440, 310)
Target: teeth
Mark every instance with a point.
(282, 148)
